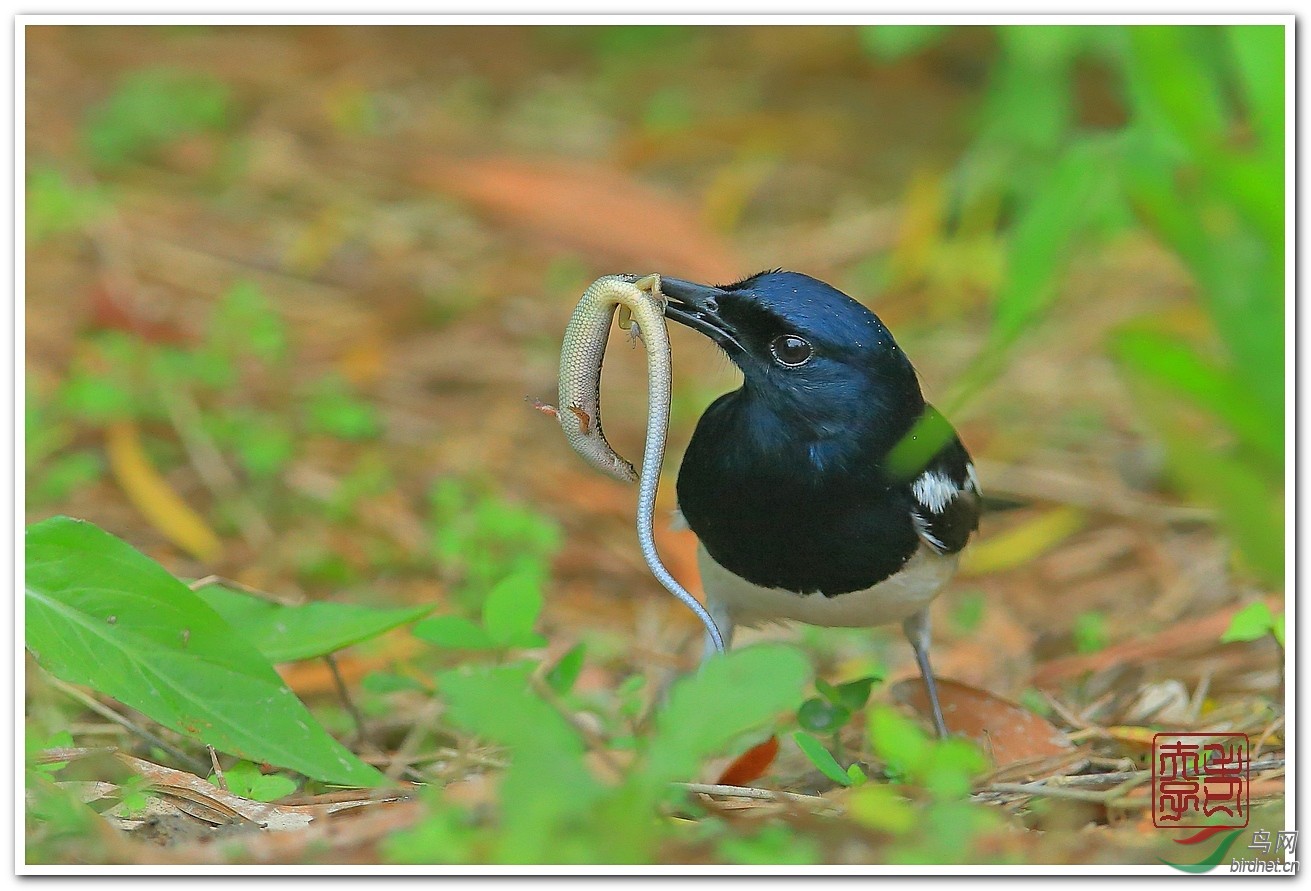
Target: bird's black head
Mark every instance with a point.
(816, 357)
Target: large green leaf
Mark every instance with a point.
(1040, 242)
(287, 633)
(547, 790)
(101, 614)
(1179, 367)
(730, 695)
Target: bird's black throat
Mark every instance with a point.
(781, 507)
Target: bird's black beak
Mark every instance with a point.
(697, 307)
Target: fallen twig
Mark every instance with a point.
(106, 712)
(753, 792)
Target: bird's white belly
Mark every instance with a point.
(891, 600)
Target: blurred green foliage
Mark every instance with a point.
(1254, 622)
(551, 807)
(480, 538)
(1197, 160)
(151, 107)
(55, 205)
(943, 825)
(232, 387)
(246, 780)
(1090, 632)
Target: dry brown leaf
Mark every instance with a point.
(590, 208)
(222, 806)
(1008, 732)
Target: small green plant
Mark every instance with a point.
(55, 205)
(509, 612)
(828, 713)
(1090, 632)
(1254, 622)
(930, 815)
(480, 538)
(551, 806)
(152, 107)
(823, 759)
(334, 410)
(967, 614)
(244, 779)
(833, 708)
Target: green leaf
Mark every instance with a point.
(925, 438)
(821, 758)
(383, 682)
(728, 696)
(1177, 366)
(564, 673)
(856, 775)
(245, 780)
(952, 765)
(1249, 495)
(245, 323)
(55, 205)
(547, 784)
(97, 399)
(1039, 245)
(101, 614)
(854, 694)
(150, 108)
(822, 716)
(335, 411)
(1177, 84)
(1090, 634)
(1252, 622)
(898, 742)
(1259, 58)
(880, 808)
(61, 740)
(287, 633)
(891, 42)
(511, 609)
(454, 632)
(63, 474)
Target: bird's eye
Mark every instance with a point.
(791, 350)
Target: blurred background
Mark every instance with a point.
(288, 289)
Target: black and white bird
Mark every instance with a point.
(825, 489)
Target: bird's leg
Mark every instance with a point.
(917, 632)
(725, 625)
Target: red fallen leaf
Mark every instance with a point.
(110, 313)
(751, 764)
(591, 207)
(1007, 732)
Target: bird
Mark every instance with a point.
(825, 489)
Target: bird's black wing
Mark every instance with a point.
(946, 500)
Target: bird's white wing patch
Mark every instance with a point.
(935, 490)
(922, 529)
(973, 478)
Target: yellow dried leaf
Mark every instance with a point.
(151, 494)
(1140, 737)
(1023, 543)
